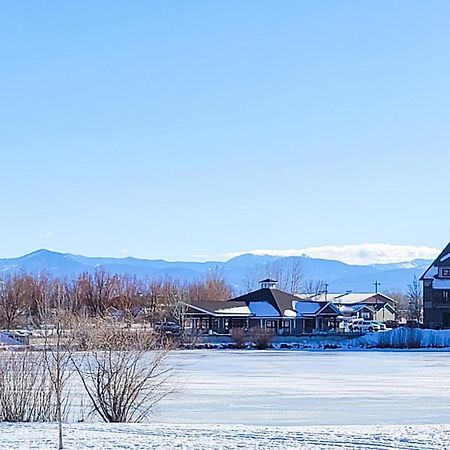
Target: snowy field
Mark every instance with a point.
(280, 400)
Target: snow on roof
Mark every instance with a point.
(440, 283)
(306, 308)
(445, 257)
(430, 273)
(352, 298)
(234, 310)
(263, 309)
(258, 309)
(321, 297)
(352, 308)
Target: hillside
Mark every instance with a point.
(237, 271)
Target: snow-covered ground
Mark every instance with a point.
(280, 399)
(201, 437)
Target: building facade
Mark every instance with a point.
(362, 305)
(436, 292)
(267, 308)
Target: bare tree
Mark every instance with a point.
(122, 379)
(40, 297)
(13, 300)
(313, 287)
(213, 287)
(414, 296)
(58, 349)
(96, 291)
(401, 304)
(287, 272)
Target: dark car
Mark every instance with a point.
(167, 327)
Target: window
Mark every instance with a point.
(446, 295)
(445, 272)
(271, 324)
(285, 323)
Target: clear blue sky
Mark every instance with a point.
(176, 129)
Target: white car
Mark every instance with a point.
(365, 326)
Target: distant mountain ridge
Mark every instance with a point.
(340, 276)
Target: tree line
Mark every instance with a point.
(35, 299)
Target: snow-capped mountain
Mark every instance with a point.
(338, 275)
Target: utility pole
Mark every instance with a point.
(376, 284)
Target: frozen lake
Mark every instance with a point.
(310, 388)
(274, 400)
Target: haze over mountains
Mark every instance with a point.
(338, 275)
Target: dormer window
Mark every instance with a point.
(445, 273)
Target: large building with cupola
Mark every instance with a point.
(436, 292)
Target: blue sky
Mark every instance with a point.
(193, 130)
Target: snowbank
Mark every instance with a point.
(6, 340)
(407, 338)
(398, 338)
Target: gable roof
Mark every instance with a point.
(368, 298)
(442, 260)
(354, 298)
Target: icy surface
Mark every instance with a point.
(310, 388)
(280, 400)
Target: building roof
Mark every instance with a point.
(278, 299)
(220, 307)
(268, 280)
(354, 298)
(443, 260)
(354, 308)
(265, 303)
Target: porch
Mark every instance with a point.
(204, 324)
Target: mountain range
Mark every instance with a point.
(237, 271)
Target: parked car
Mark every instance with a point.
(167, 327)
(365, 326)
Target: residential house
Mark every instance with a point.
(369, 306)
(436, 292)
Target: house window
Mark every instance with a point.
(271, 324)
(285, 323)
(446, 296)
(445, 272)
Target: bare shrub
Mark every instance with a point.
(26, 392)
(261, 338)
(239, 337)
(191, 339)
(121, 377)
